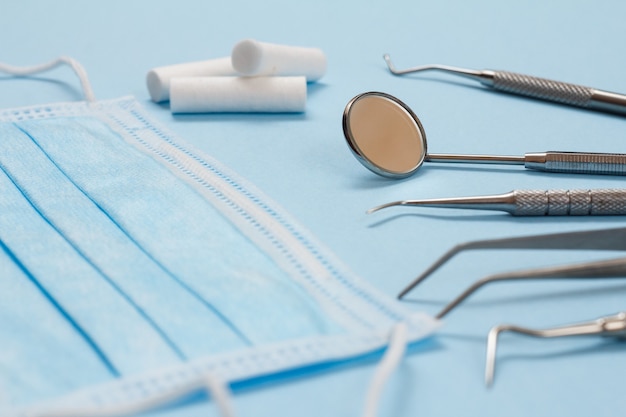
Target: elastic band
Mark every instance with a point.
(63, 60)
(216, 389)
(388, 364)
(221, 395)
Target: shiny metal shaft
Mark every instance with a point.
(529, 86)
(599, 202)
(476, 159)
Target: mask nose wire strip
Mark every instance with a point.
(63, 60)
(389, 362)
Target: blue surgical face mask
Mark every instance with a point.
(131, 265)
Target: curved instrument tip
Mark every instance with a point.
(390, 65)
(383, 206)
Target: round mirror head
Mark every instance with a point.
(384, 134)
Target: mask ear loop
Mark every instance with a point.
(63, 60)
(222, 396)
(394, 353)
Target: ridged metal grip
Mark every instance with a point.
(572, 94)
(578, 162)
(598, 202)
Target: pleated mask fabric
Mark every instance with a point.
(132, 264)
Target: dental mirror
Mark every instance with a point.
(387, 138)
(384, 134)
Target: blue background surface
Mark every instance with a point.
(302, 162)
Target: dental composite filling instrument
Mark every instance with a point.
(388, 139)
(610, 326)
(600, 202)
(525, 85)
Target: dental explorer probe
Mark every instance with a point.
(598, 202)
(526, 85)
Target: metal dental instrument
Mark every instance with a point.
(603, 239)
(388, 139)
(525, 85)
(601, 202)
(613, 268)
(610, 326)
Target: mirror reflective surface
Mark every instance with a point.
(384, 134)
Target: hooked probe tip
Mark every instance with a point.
(382, 206)
(390, 65)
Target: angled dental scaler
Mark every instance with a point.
(609, 326)
(602, 239)
(525, 85)
(599, 202)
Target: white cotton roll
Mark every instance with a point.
(158, 79)
(238, 95)
(251, 57)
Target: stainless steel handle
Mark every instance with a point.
(597, 202)
(577, 162)
(542, 88)
(557, 91)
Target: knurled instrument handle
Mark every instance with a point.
(597, 202)
(557, 91)
(577, 162)
(542, 88)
